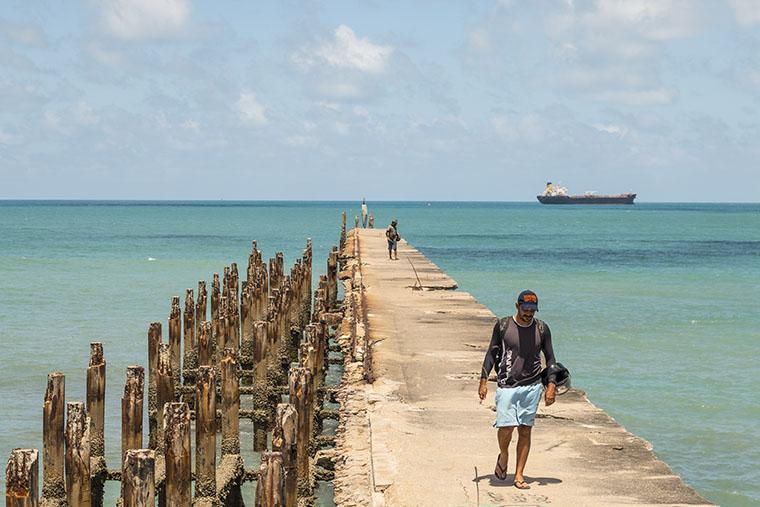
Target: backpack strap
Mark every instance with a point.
(541, 326)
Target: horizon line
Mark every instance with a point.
(143, 200)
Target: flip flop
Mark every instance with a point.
(522, 485)
(499, 472)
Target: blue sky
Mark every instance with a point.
(428, 100)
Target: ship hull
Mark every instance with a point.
(586, 199)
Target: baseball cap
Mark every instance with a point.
(528, 300)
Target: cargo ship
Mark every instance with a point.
(556, 194)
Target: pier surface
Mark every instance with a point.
(432, 442)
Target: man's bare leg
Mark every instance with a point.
(523, 449)
(504, 436)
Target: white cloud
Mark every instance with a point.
(479, 40)
(26, 35)
(747, 12)
(648, 97)
(144, 19)
(250, 110)
(191, 125)
(84, 114)
(302, 141)
(651, 19)
(611, 48)
(616, 130)
(6, 138)
(341, 89)
(346, 51)
(520, 128)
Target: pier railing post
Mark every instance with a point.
(138, 479)
(77, 455)
(176, 430)
(22, 478)
(205, 433)
(53, 486)
(96, 408)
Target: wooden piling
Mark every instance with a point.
(205, 432)
(200, 306)
(176, 417)
(270, 489)
(332, 277)
(230, 403)
(175, 337)
(164, 390)
(138, 479)
(53, 485)
(205, 352)
(260, 353)
(284, 441)
(132, 410)
(342, 230)
(154, 342)
(190, 359)
(22, 478)
(222, 331)
(77, 455)
(96, 408)
(215, 295)
(299, 384)
(233, 322)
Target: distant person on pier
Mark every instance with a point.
(391, 234)
(364, 213)
(371, 221)
(515, 351)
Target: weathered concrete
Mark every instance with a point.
(432, 442)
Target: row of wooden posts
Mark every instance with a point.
(263, 338)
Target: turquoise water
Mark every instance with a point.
(653, 307)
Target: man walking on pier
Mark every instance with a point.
(391, 234)
(515, 350)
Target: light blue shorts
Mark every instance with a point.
(517, 406)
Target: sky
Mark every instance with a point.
(391, 100)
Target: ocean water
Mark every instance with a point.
(655, 308)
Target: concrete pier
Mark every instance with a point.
(430, 441)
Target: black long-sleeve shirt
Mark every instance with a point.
(515, 351)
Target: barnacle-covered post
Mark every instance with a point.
(175, 339)
(22, 478)
(176, 418)
(53, 486)
(96, 409)
(270, 489)
(77, 455)
(154, 344)
(284, 442)
(138, 478)
(205, 433)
